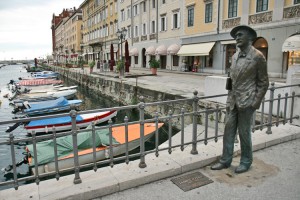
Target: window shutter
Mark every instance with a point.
(166, 23)
(172, 22)
(178, 20)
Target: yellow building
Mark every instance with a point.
(208, 44)
(99, 28)
(72, 36)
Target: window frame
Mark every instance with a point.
(232, 8)
(208, 12)
(262, 5)
(191, 16)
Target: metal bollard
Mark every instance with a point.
(195, 115)
(269, 131)
(142, 133)
(77, 178)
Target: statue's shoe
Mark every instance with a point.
(219, 166)
(241, 169)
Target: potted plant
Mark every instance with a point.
(91, 65)
(154, 64)
(120, 67)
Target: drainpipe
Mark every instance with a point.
(132, 25)
(156, 21)
(218, 24)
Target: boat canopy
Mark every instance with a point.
(45, 149)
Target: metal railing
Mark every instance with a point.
(180, 114)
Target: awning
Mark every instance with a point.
(228, 42)
(292, 43)
(201, 49)
(133, 52)
(173, 49)
(150, 50)
(161, 50)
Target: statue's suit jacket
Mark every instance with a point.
(249, 82)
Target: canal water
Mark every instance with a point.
(90, 101)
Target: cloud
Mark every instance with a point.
(25, 29)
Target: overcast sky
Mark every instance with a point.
(25, 27)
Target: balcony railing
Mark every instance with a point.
(261, 18)
(291, 12)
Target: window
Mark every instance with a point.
(153, 27)
(190, 16)
(111, 9)
(261, 5)
(122, 15)
(144, 29)
(128, 13)
(136, 31)
(163, 23)
(136, 60)
(296, 1)
(135, 10)
(232, 8)
(129, 31)
(153, 3)
(176, 20)
(144, 6)
(208, 13)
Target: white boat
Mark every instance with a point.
(45, 153)
(65, 123)
(68, 94)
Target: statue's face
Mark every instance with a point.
(242, 38)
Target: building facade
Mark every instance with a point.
(58, 34)
(100, 23)
(188, 35)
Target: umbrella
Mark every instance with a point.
(126, 57)
(112, 59)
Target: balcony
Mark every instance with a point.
(136, 39)
(153, 36)
(144, 37)
(291, 12)
(261, 18)
(230, 23)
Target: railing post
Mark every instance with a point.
(170, 132)
(37, 178)
(126, 139)
(217, 123)
(195, 116)
(13, 157)
(182, 129)
(142, 145)
(156, 135)
(269, 131)
(77, 178)
(292, 107)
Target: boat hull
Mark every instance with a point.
(102, 153)
(97, 118)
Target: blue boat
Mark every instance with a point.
(48, 107)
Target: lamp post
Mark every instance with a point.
(121, 36)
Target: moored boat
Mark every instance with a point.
(65, 123)
(47, 107)
(45, 149)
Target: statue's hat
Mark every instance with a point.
(244, 27)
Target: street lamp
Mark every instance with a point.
(121, 35)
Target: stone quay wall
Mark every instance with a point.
(128, 94)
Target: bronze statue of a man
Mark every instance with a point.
(249, 84)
